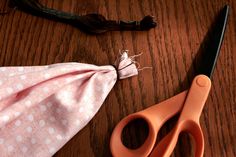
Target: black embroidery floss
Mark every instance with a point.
(89, 23)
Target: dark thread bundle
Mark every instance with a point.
(90, 23)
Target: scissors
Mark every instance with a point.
(188, 104)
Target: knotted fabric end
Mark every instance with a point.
(42, 107)
(125, 66)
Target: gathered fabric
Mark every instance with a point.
(42, 107)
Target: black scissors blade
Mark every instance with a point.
(211, 45)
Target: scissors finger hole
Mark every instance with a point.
(135, 133)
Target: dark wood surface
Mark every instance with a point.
(169, 49)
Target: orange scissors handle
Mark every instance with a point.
(190, 102)
(189, 119)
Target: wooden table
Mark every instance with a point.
(169, 49)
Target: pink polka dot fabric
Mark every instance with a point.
(42, 107)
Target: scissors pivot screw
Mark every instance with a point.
(202, 81)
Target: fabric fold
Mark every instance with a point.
(42, 107)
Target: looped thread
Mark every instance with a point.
(126, 66)
(140, 69)
(117, 72)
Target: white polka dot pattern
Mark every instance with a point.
(30, 117)
(59, 137)
(1, 141)
(43, 108)
(47, 141)
(41, 123)
(5, 118)
(33, 140)
(24, 149)
(49, 104)
(18, 138)
(51, 130)
(22, 77)
(28, 103)
(29, 129)
(18, 123)
(16, 113)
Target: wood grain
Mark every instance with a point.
(169, 50)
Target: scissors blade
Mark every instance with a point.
(212, 44)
